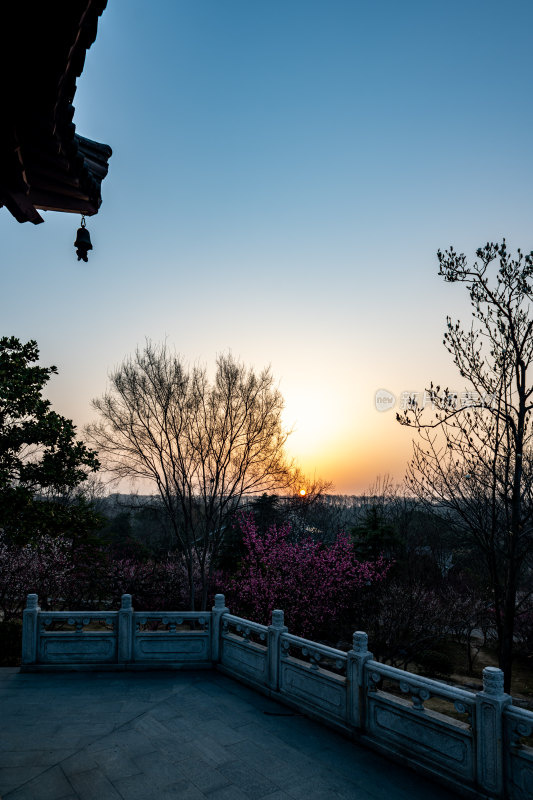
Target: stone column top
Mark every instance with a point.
(360, 642)
(278, 618)
(493, 681)
(126, 602)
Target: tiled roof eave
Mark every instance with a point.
(44, 163)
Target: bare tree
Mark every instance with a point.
(473, 458)
(203, 444)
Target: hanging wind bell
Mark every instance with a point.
(83, 242)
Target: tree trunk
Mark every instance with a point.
(507, 640)
(190, 575)
(469, 652)
(506, 660)
(205, 583)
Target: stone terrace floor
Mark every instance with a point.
(184, 735)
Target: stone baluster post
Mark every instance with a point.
(274, 648)
(216, 626)
(30, 630)
(490, 704)
(125, 631)
(355, 678)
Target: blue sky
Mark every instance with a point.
(282, 176)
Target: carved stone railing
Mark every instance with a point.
(478, 744)
(422, 719)
(518, 752)
(244, 646)
(314, 676)
(122, 639)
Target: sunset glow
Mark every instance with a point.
(310, 159)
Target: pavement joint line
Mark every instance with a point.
(45, 770)
(76, 752)
(66, 777)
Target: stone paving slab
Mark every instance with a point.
(180, 736)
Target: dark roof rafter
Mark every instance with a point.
(44, 163)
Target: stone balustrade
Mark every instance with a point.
(123, 639)
(478, 744)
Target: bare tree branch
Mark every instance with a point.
(204, 445)
(474, 460)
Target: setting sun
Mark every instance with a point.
(302, 492)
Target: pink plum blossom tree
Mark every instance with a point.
(315, 585)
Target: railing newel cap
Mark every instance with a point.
(493, 681)
(32, 601)
(126, 602)
(220, 603)
(360, 644)
(278, 618)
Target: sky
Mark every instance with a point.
(283, 174)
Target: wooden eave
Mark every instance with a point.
(44, 163)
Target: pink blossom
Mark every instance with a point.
(315, 585)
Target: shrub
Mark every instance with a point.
(435, 663)
(316, 585)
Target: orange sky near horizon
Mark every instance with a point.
(349, 452)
